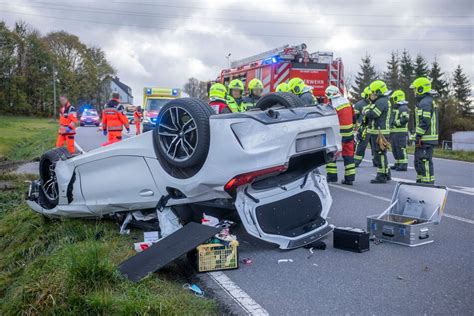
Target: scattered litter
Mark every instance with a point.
(209, 220)
(426, 269)
(194, 288)
(311, 250)
(247, 261)
(169, 222)
(123, 228)
(318, 244)
(140, 246)
(314, 264)
(217, 255)
(400, 278)
(151, 237)
(284, 260)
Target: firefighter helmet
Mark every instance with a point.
(255, 84)
(421, 85)
(282, 87)
(332, 92)
(296, 85)
(218, 92)
(366, 93)
(398, 96)
(378, 87)
(236, 84)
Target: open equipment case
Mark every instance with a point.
(409, 220)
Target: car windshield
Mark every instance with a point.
(155, 104)
(90, 112)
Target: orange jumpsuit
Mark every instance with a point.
(137, 118)
(113, 121)
(67, 127)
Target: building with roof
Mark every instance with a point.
(126, 96)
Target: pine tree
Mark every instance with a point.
(462, 91)
(407, 75)
(438, 81)
(364, 77)
(392, 75)
(421, 67)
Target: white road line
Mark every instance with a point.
(237, 294)
(76, 144)
(466, 191)
(458, 218)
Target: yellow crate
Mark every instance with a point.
(214, 257)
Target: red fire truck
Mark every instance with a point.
(318, 69)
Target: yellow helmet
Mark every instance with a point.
(236, 84)
(218, 92)
(398, 96)
(255, 84)
(421, 85)
(378, 87)
(296, 85)
(365, 94)
(282, 87)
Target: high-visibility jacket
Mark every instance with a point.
(345, 113)
(113, 118)
(426, 119)
(250, 101)
(379, 114)
(358, 107)
(307, 96)
(67, 118)
(137, 116)
(235, 105)
(400, 117)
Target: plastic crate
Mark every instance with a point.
(215, 257)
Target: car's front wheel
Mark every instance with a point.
(49, 191)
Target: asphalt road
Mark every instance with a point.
(389, 279)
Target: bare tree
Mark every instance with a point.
(196, 88)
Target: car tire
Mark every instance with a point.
(182, 133)
(49, 191)
(285, 99)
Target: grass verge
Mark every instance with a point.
(60, 267)
(449, 154)
(24, 138)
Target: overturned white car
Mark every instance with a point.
(262, 163)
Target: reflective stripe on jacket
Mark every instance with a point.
(67, 118)
(400, 118)
(113, 118)
(345, 113)
(379, 114)
(426, 119)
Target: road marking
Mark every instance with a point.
(465, 190)
(237, 294)
(458, 218)
(367, 160)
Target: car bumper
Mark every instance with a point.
(147, 126)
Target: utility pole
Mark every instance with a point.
(54, 92)
(228, 60)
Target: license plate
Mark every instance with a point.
(312, 142)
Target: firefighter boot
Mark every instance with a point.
(379, 179)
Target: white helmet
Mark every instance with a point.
(332, 92)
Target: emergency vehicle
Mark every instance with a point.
(153, 100)
(318, 69)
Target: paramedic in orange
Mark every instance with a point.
(137, 118)
(67, 124)
(113, 119)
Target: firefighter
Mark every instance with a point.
(399, 130)
(234, 97)
(362, 136)
(137, 118)
(67, 125)
(218, 98)
(298, 87)
(345, 113)
(282, 87)
(255, 93)
(113, 119)
(426, 125)
(378, 115)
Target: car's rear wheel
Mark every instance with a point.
(49, 191)
(285, 99)
(182, 135)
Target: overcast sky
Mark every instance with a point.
(162, 43)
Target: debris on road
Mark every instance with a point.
(351, 239)
(247, 261)
(151, 237)
(216, 255)
(284, 260)
(140, 246)
(400, 278)
(426, 269)
(194, 288)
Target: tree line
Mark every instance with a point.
(30, 62)
(453, 91)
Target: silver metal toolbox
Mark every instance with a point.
(411, 216)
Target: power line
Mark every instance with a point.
(96, 10)
(232, 33)
(300, 13)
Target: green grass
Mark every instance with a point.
(60, 267)
(449, 154)
(25, 138)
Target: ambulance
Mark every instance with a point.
(153, 101)
(317, 69)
